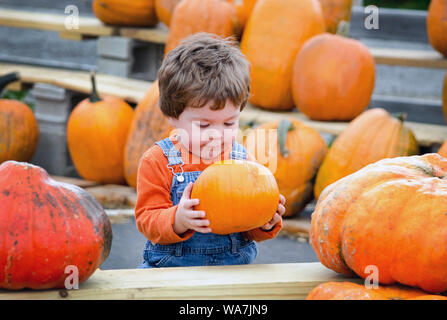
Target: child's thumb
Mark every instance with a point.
(187, 191)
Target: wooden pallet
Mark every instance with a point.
(89, 27)
(427, 135)
(132, 90)
(261, 281)
(128, 89)
(92, 27)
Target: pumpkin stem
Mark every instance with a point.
(284, 126)
(94, 97)
(343, 28)
(401, 116)
(7, 79)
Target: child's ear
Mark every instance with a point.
(172, 121)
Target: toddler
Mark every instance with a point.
(204, 84)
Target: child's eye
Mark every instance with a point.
(204, 125)
(229, 124)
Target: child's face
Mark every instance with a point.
(205, 132)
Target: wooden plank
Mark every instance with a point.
(159, 34)
(76, 181)
(128, 89)
(426, 134)
(114, 196)
(53, 22)
(71, 36)
(409, 58)
(119, 216)
(261, 281)
(298, 227)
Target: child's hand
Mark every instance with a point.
(186, 218)
(277, 217)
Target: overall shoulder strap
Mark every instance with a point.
(170, 151)
(239, 152)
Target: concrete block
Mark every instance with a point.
(147, 60)
(52, 152)
(417, 110)
(51, 103)
(409, 82)
(53, 106)
(126, 57)
(115, 47)
(115, 67)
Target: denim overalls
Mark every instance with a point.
(202, 249)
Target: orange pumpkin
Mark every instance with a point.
(372, 136)
(293, 152)
(193, 16)
(273, 36)
(148, 126)
(165, 9)
(19, 130)
(244, 9)
(334, 12)
(391, 215)
(437, 25)
(236, 195)
(333, 78)
(138, 13)
(47, 226)
(354, 291)
(96, 135)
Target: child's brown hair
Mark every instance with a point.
(203, 67)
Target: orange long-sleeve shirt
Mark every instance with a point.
(155, 212)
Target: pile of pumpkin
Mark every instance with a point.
(328, 77)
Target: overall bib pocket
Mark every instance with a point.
(157, 259)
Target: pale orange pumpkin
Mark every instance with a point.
(391, 215)
(148, 126)
(236, 195)
(273, 36)
(333, 77)
(437, 25)
(372, 136)
(138, 13)
(336, 11)
(354, 291)
(96, 135)
(293, 152)
(194, 16)
(244, 9)
(165, 10)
